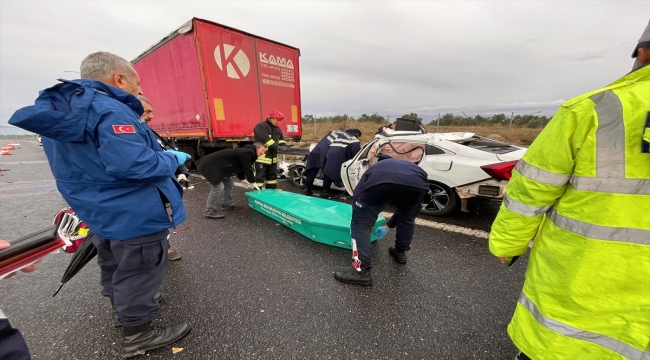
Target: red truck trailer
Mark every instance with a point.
(211, 84)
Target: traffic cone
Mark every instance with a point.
(10, 147)
(4, 151)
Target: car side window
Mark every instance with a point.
(366, 150)
(432, 150)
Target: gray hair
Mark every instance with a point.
(142, 98)
(102, 65)
(258, 144)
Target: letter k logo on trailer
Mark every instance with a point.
(236, 62)
(124, 129)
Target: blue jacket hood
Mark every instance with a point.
(61, 112)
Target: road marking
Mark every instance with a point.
(441, 226)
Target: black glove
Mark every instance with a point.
(284, 148)
(272, 151)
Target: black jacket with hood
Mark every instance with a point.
(222, 164)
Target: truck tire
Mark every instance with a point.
(442, 202)
(297, 175)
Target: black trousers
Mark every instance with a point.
(311, 176)
(132, 271)
(366, 209)
(266, 175)
(12, 344)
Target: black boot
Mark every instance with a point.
(326, 194)
(308, 192)
(362, 277)
(158, 296)
(142, 338)
(399, 256)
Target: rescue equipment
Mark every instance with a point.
(323, 221)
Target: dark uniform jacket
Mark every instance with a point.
(316, 159)
(222, 164)
(272, 137)
(343, 148)
(393, 171)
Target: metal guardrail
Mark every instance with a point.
(294, 151)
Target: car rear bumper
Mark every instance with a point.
(490, 189)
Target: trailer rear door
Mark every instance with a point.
(279, 84)
(230, 79)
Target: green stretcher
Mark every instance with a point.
(323, 221)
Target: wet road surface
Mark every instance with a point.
(254, 289)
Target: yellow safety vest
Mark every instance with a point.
(582, 191)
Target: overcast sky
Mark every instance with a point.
(357, 57)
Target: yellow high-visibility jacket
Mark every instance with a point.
(582, 191)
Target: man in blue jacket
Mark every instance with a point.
(114, 175)
(390, 180)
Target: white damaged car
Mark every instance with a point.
(459, 165)
(295, 171)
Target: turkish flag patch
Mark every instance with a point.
(124, 129)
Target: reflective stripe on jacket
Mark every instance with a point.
(582, 191)
(316, 158)
(343, 148)
(272, 138)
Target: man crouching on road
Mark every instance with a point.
(390, 180)
(114, 175)
(219, 169)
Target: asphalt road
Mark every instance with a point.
(254, 289)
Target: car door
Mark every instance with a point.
(353, 169)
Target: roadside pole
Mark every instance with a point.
(509, 126)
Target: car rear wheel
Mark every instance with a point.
(297, 175)
(441, 201)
